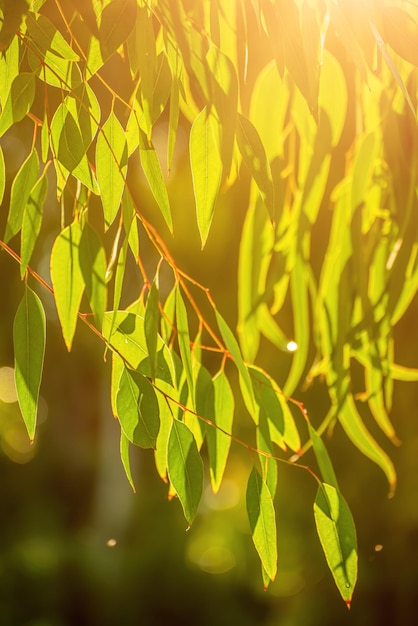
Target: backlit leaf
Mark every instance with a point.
(92, 260)
(185, 468)
(126, 462)
(67, 279)
(254, 157)
(206, 167)
(220, 410)
(31, 223)
(337, 533)
(19, 100)
(19, 195)
(262, 518)
(111, 166)
(184, 340)
(245, 380)
(151, 324)
(137, 409)
(29, 331)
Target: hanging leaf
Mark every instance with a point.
(126, 334)
(184, 340)
(323, 459)
(220, 410)
(19, 195)
(262, 518)
(126, 462)
(245, 380)
(137, 409)
(151, 324)
(337, 533)
(111, 166)
(67, 279)
(116, 22)
(66, 139)
(92, 260)
(29, 331)
(206, 164)
(152, 170)
(31, 223)
(185, 468)
(19, 100)
(254, 157)
(2, 175)
(13, 12)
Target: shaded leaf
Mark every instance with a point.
(116, 22)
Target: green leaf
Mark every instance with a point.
(19, 195)
(126, 462)
(152, 170)
(31, 223)
(245, 379)
(254, 156)
(126, 335)
(66, 140)
(111, 166)
(13, 12)
(19, 101)
(165, 395)
(184, 340)
(46, 36)
(151, 323)
(92, 259)
(29, 331)
(220, 410)
(137, 409)
(323, 460)
(9, 69)
(185, 468)
(116, 22)
(67, 279)
(262, 518)
(206, 164)
(337, 533)
(2, 175)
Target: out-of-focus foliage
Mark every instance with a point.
(309, 109)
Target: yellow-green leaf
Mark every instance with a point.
(185, 468)
(67, 279)
(337, 533)
(19, 195)
(111, 166)
(262, 518)
(92, 259)
(137, 409)
(29, 331)
(31, 223)
(19, 100)
(206, 164)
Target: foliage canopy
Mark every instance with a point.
(309, 108)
